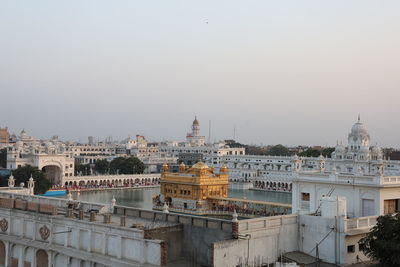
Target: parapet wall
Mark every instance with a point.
(259, 241)
(69, 239)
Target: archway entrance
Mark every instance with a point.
(42, 258)
(53, 174)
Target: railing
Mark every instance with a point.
(112, 177)
(359, 223)
(391, 180)
(58, 202)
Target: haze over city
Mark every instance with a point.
(282, 72)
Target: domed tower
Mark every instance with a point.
(195, 127)
(194, 137)
(358, 139)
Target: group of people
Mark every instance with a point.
(104, 186)
(259, 211)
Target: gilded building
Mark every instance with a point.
(192, 188)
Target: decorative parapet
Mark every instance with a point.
(359, 223)
(390, 180)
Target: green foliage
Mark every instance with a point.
(83, 169)
(255, 150)
(131, 165)
(3, 158)
(102, 166)
(310, 153)
(383, 241)
(278, 150)
(326, 152)
(22, 175)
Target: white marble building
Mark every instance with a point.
(194, 138)
(51, 156)
(277, 173)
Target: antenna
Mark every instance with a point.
(209, 131)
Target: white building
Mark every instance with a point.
(212, 153)
(52, 157)
(194, 138)
(278, 173)
(357, 172)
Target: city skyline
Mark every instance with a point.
(285, 73)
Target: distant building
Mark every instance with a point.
(190, 159)
(194, 138)
(51, 156)
(4, 136)
(211, 153)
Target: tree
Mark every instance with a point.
(83, 169)
(131, 165)
(102, 166)
(255, 150)
(22, 175)
(326, 152)
(278, 150)
(310, 153)
(3, 158)
(383, 241)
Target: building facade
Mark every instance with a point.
(191, 188)
(50, 156)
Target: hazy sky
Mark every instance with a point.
(291, 72)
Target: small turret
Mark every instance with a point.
(11, 181)
(165, 167)
(224, 169)
(182, 167)
(31, 185)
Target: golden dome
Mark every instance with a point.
(200, 165)
(224, 168)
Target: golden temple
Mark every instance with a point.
(191, 188)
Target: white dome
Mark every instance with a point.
(359, 128)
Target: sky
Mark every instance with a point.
(289, 72)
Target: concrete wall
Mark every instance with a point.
(260, 241)
(199, 233)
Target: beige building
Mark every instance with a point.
(4, 136)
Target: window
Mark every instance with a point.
(351, 249)
(305, 196)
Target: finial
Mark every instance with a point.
(358, 117)
(165, 208)
(234, 216)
